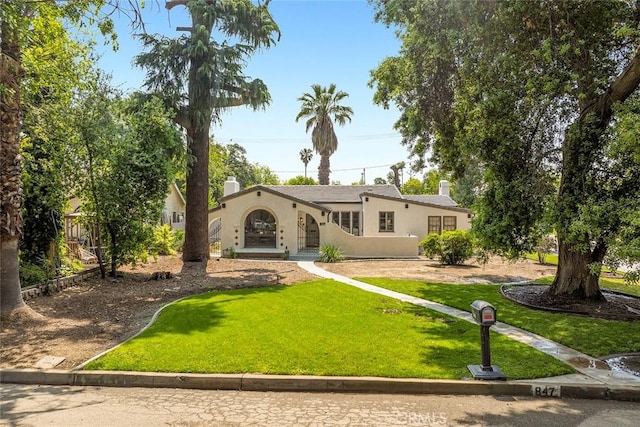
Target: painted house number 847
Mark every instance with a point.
(546, 391)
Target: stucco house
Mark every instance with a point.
(362, 220)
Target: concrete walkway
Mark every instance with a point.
(593, 369)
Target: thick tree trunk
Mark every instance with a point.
(10, 292)
(10, 173)
(196, 236)
(324, 170)
(574, 277)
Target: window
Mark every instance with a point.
(449, 223)
(434, 225)
(386, 222)
(345, 221)
(355, 223)
(348, 221)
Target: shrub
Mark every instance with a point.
(32, 274)
(330, 253)
(431, 245)
(164, 240)
(453, 247)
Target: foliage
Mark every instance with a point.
(319, 108)
(284, 330)
(552, 145)
(128, 153)
(453, 247)
(231, 160)
(301, 180)
(199, 77)
(33, 274)
(164, 240)
(413, 186)
(330, 253)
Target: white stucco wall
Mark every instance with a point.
(369, 246)
(235, 212)
(409, 219)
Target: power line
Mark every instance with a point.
(342, 170)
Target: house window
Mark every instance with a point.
(348, 221)
(449, 223)
(434, 225)
(386, 222)
(355, 223)
(345, 221)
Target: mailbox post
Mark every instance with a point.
(485, 314)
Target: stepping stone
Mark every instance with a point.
(49, 362)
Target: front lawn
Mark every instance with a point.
(594, 337)
(317, 328)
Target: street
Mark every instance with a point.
(33, 405)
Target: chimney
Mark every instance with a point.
(231, 186)
(443, 188)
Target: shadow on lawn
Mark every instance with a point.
(200, 313)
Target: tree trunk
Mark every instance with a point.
(10, 172)
(574, 277)
(196, 236)
(324, 169)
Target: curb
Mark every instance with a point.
(318, 384)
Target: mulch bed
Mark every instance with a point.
(617, 306)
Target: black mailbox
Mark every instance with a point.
(483, 313)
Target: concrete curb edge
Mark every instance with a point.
(321, 384)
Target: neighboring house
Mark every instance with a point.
(362, 220)
(173, 210)
(78, 238)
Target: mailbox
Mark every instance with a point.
(483, 313)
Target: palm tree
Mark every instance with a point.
(305, 156)
(319, 108)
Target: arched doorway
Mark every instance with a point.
(260, 230)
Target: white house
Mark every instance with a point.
(362, 220)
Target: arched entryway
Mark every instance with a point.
(260, 230)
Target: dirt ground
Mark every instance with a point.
(85, 320)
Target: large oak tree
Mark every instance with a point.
(530, 93)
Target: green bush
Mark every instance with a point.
(32, 274)
(453, 247)
(164, 240)
(431, 245)
(178, 240)
(330, 253)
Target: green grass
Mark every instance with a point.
(317, 328)
(551, 259)
(595, 337)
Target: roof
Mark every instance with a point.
(431, 199)
(317, 195)
(335, 193)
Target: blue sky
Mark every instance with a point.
(322, 42)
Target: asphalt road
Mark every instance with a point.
(33, 405)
